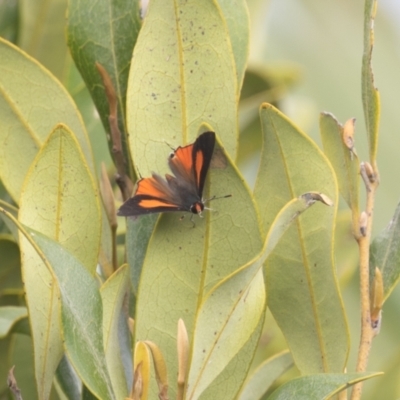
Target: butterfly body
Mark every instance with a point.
(182, 191)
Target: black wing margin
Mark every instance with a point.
(202, 152)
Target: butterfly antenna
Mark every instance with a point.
(172, 148)
(216, 198)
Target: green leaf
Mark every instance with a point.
(67, 381)
(237, 19)
(42, 33)
(370, 95)
(10, 226)
(319, 386)
(385, 254)
(232, 310)
(104, 32)
(228, 383)
(182, 262)
(138, 234)
(344, 162)
(9, 316)
(113, 293)
(301, 279)
(59, 198)
(182, 75)
(265, 375)
(10, 267)
(9, 20)
(81, 312)
(32, 103)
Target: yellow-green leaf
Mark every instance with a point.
(232, 310)
(237, 19)
(343, 160)
(302, 286)
(319, 386)
(81, 313)
(10, 315)
(182, 75)
(42, 33)
(370, 95)
(59, 198)
(182, 263)
(113, 293)
(32, 103)
(263, 377)
(385, 254)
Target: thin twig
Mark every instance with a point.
(364, 240)
(122, 179)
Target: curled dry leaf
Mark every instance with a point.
(376, 301)
(348, 134)
(314, 196)
(363, 223)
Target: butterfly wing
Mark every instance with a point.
(153, 195)
(190, 163)
(182, 192)
(202, 152)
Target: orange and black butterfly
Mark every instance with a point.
(182, 191)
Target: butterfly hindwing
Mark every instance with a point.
(152, 195)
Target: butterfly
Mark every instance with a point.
(182, 191)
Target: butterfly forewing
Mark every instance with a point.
(203, 149)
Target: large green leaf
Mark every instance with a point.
(263, 377)
(42, 33)
(59, 198)
(67, 383)
(32, 102)
(232, 310)
(301, 279)
(237, 19)
(385, 254)
(138, 234)
(183, 263)
(9, 316)
(182, 75)
(227, 384)
(113, 293)
(370, 95)
(318, 387)
(81, 311)
(104, 32)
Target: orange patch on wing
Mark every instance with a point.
(184, 155)
(198, 166)
(153, 203)
(149, 186)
